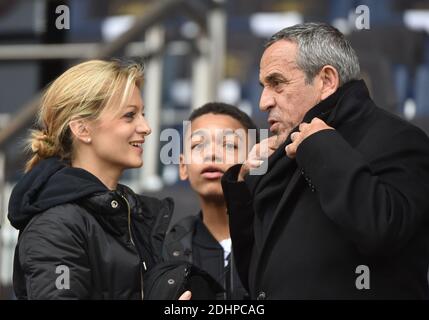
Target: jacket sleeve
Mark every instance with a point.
(53, 259)
(378, 202)
(240, 211)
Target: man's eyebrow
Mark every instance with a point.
(272, 78)
(275, 77)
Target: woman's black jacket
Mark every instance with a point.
(79, 240)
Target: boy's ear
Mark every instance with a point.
(80, 130)
(183, 169)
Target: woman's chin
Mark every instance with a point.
(135, 164)
(138, 164)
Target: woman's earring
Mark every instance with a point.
(88, 140)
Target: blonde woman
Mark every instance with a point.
(83, 235)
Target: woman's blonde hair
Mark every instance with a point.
(81, 92)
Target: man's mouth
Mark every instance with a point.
(273, 125)
(212, 172)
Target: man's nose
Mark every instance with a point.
(267, 100)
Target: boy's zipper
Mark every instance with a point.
(132, 241)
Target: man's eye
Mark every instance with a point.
(275, 83)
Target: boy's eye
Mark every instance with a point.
(197, 146)
(230, 145)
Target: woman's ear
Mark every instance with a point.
(80, 130)
(330, 81)
(183, 170)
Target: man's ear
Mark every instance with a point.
(80, 130)
(330, 81)
(183, 169)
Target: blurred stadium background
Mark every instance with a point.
(194, 51)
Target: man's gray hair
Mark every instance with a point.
(320, 44)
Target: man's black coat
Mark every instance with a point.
(346, 219)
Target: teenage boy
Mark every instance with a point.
(219, 136)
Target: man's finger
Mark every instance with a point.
(272, 142)
(290, 150)
(316, 120)
(294, 135)
(303, 125)
(254, 163)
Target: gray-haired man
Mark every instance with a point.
(343, 210)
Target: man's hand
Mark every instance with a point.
(259, 153)
(304, 131)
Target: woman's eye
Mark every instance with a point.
(130, 115)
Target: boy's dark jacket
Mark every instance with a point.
(190, 240)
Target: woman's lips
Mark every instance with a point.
(138, 145)
(139, 148)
